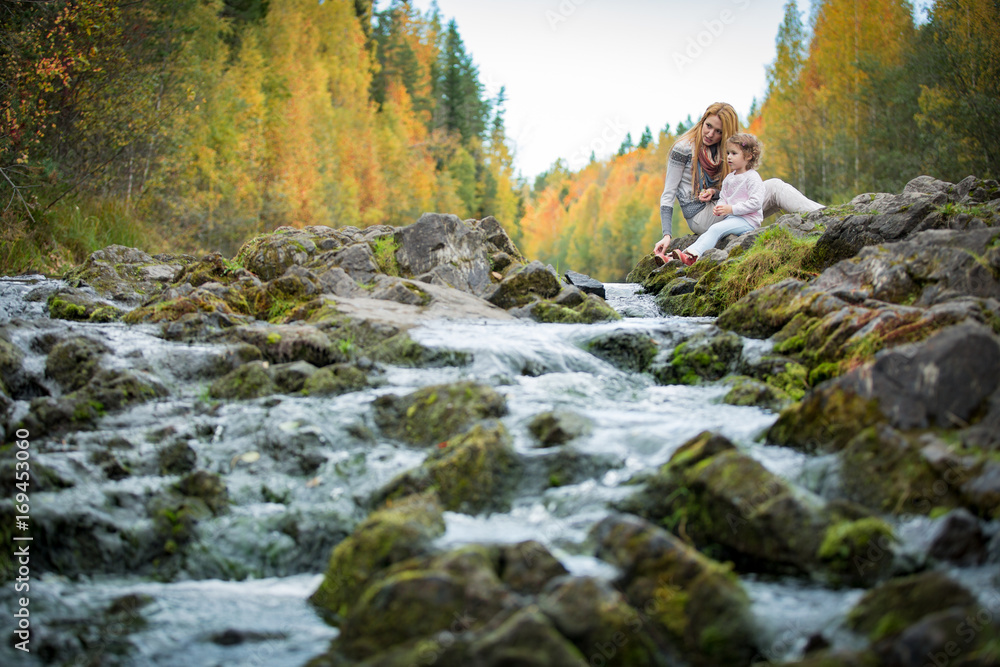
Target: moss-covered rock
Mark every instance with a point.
(857, 552)
(398, 532)
(589, 310)
(628, 350)
(730, 505)
(11, 360)
(595, 616)
(422, 596)
(210, 268)
(766, 311)
(74, 361)
(883, 470)
(825, 420)
(173, 306)
(433, 414)
(208, 487)
(107, 391)
(334, 380)
(76, 305)
(899, 603)
(176, 458)
(527, 638)
(691, 600)
(124, 274)
(473, 472)
(251, 380)
(533, 281)
(706, 356)
(526, 567)
(291, 378)
(286, 343)
(269, 255)
(747, 391)
(558, 427)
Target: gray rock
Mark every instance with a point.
(532, 282)
(442, 249)
(958, 538)
(941, 381)
(559, 427)
(586, 283)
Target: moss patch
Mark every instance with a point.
(433, 414)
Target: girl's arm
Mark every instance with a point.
(676, 164)
(755, 196)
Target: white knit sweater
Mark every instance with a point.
(745, 193)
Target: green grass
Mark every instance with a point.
(775, 256)
(67, 233)
(384, 248)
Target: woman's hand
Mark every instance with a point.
(722, 210)
(706, 195)
(661, 246)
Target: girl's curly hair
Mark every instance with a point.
(750, 146)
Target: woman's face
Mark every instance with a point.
(711, 130)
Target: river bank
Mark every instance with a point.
(412, 446)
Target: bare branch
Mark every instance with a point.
(17, 193)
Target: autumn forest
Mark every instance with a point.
(191, 125)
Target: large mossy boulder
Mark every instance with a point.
(942, 382)
(631, 351)
(126, 275)
(732, 506)
(693, 602)
(529, 283)
(251, 380)
(108, 390)
(396, 533)
(898, 603)
(474, 472)
(467, 606)
(285, 343)
(444, 250)
(74, 361)
(268, 256)
(705, 356)
(434, 414)
(595, 616)
(883, 218)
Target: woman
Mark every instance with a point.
(694, 182)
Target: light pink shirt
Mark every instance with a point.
(745, 193)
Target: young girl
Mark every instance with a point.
(740, 200)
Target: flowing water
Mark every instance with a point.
(240, 596)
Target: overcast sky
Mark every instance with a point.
(580, 74)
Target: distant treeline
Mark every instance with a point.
(861, 97)
(193, 124)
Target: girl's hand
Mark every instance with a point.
(706, 195)
(721, 210)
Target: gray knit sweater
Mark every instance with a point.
(678, 187)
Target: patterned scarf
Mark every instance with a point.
(708, 168)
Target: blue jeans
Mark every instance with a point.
(731, 224)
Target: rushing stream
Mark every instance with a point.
(240, 596)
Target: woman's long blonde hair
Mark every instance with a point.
(730, 126)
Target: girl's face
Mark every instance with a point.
(736, 159)
(711, 130)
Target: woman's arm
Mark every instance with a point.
(678, 161)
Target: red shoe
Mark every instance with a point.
(685, 258)
(665, 258)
